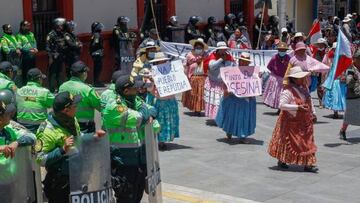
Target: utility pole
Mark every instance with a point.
(282, 13)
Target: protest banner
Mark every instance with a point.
(242, 81)
(170, 78)
(259, 58)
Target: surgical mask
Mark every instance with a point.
(198, 51)
(321, 49)
(282, 54)
(151, 55)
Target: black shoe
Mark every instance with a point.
(311, 169)
(342, 135)
(162, 146)
(229, 136)
(282, 165)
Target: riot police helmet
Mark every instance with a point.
(70, 26)
(59, 22)
(174, 20)
(194, 19)
(6, 67)
(123, 20)
(7, 102)
(229, 18)
(212, 20)
(97, 27)
(7, 29)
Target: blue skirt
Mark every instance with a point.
(237, 116)
(314, 83)
(168, 117)
(335, 99)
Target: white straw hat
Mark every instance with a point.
(297, 72)
(159, 56)
(221, 45)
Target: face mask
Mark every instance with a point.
(198, 51)
(151, 55)
(282, 54)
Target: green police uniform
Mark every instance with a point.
(7, 83)
(28, 43)
(90, 102)
(32, 110)
(107, 96)
(9, 44)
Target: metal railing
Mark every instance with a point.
(42, 22)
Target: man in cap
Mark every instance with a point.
(91, 100)
(146, 54)
(35, 100)
(285, 37)
(55, 46)
(346, 28)
(109, 94)
(153, 37)
(6, 74)
(124, 120)
(55, 145)
(29, 48)
(10, 138)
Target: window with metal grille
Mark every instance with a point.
(236, 6)
(44, 12)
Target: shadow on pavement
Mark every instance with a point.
(271, 113)
(320, 122)
(174, 146)
(236, 141)
(292, 168)
(211, 122)
(331, 116)
(194, 114)
(349, 141)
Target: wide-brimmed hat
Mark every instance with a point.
(199, 40)
(221, 45)
(282, 46)
(347, 19)
(245, 56)
(297, 72)
(149, 45)
(159, 56)
(300, 46)
(321, 41)
(299, 34)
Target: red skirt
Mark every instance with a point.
(194, 98)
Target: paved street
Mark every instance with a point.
(204, 164)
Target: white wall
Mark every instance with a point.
(204, 8)
(104, 11)
(11, 12)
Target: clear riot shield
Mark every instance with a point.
(127, 55)
(153, 179)
(178, 34)
(16, 178)
(89, 170)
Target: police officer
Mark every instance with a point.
(10, 138)
(55, 141)
(109, 94)
(6, 75)
(72, 44)
(97, 51)
(216, 36)
(55, 46)
(11, 50)
(191, 29)
(32, 110)
(172, 26)
(230, 25)
(121, 32)
(29, 48)
(124, 120)
(209, 29)
(91, 100)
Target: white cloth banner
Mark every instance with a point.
(170, 78)
(259, 58)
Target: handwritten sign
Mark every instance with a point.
(170, 78)
(242, 81)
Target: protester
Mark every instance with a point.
(167, 108)
(346, 28)
(335, 98)
(146, 54)
(277, 67)
(194, 69)
(268, 43)
(352, 111)
(237, 116)
(238, 40)
(319, 50)
(285, 37)
(292, 141)
(214, 86)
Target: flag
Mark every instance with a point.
(315, 32)
(342, 60)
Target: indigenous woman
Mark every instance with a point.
(214, 86)
(167, 108)
(194, 69)
(237, 116)
(277, 67)
(292, 141)
(335, 98)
